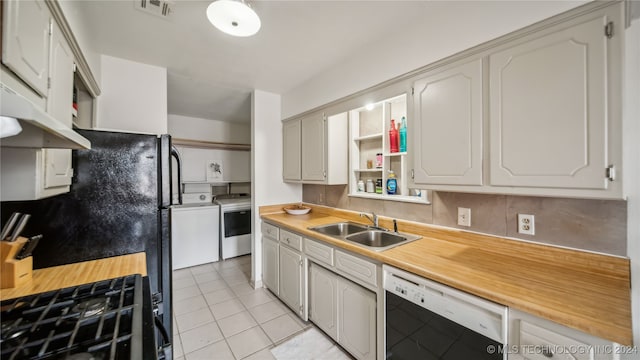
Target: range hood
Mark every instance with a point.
(39, 129)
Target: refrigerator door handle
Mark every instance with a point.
(176, 155)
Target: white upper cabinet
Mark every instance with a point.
(60, 94)
(315, 149)
(291, 165)
(57, 162)
(25, 42)
(448, 111)
(549, 103)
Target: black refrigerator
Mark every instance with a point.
(118, 204)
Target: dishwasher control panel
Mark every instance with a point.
(480, 315)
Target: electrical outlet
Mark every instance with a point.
(526, 224)
(464, 216)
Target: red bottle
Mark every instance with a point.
(393, 137)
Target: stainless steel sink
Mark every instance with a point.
(381, 239)
(340, 229)
(363, 235)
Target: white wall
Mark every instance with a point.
(192, 128)
(631, 120)
(267, 187)
(453, 29)
(134, 97)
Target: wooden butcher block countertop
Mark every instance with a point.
(582, 290)
(59, 277)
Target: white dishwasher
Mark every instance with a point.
(195, 232)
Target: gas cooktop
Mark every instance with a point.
(101, 320)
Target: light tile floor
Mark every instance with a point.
(218, 315)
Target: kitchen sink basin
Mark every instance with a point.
(376, 239)
(381, 239)
(341, 229)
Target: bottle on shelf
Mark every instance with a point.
(392, 183)
(403, 135)
(360, 186)
(378, 186)
(393, 137)
(379, 161)
(370, 187)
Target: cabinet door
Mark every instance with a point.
(291, 169)
(548, 105)
(270, 261)
(448, 126)
(57, 168)
(323, 305)
(60, 95)
(291, 279)
(356, 319)
(25, 41)
(194, 163)
(313, 148)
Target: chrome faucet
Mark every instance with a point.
(373, 218)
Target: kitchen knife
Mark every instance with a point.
(9, 225)
(27, 249)
(21, 224)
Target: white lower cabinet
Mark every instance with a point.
(270, 264)
(344, 310)
(533, 338)
(290, 281)
(356, 319)
(323, 295)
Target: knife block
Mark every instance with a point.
(14, 272)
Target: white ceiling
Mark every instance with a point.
(211, 74)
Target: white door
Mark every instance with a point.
(548, 110)
(313, 148)
(323, 302)
(291, 278)
(291, 148)
(448, 126)
(270, 259)
(25, 41)
(57, 168)
(356, 319)
(60, 95)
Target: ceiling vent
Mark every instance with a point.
(161, 8)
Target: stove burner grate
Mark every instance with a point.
(92, 321)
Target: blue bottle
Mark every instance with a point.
(392, 183)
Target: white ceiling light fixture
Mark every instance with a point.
(233, 17)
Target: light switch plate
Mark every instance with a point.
(464, 216)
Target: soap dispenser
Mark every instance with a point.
(392, 183)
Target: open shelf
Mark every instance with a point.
(369, 137)
(369, 132)
(368, 170)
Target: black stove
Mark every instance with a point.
(111, 319)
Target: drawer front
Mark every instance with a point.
(318, 251)
(537, 343)
(270, 231)
(291, 240)
(357, 267)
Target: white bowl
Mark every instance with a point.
(297, 209)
